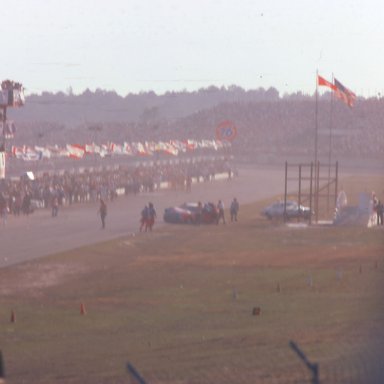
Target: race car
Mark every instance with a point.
(188, 213)
(290, 210)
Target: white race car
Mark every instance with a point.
(290, 210)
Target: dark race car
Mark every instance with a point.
(292, 210)
(188, 213)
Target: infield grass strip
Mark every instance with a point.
(178, 304)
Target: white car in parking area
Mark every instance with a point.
(290, 210)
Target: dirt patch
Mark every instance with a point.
(30, 279)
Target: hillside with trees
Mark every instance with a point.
(267, 123)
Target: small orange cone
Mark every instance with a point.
(82, 309)
(13, 317)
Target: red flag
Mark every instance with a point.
(75, 151)
(322, 82)
(344, 94)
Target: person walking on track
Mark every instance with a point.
(151, 217)
(234, 209)
(220, 209)
(103, 212)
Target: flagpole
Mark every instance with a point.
(330, 130)
(316, 114)
(316, 134)
(330, 143)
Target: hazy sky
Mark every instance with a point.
(164, 45)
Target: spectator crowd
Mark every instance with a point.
(22, 196)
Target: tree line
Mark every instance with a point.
(267, 122)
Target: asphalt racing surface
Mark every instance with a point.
(25, 238)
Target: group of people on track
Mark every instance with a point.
(148, 214)
(147, 221)
(233, 210)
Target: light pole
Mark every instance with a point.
(11, 95)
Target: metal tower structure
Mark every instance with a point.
(11, 95)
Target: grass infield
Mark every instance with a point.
(178, 304)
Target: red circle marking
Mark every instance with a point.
(226, 130)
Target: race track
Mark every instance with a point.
(38, 235)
